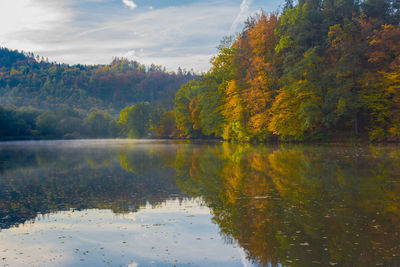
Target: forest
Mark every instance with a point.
(29, 81)
(43, 100)
(318, 70)
(141, 120)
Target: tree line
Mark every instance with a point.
(141, 120)
(43, 100)
(29, 81)
(317, 70)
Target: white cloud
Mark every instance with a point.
(70, 32)
(130, 4)
(184, 36)
(244, 12)
(28, 15)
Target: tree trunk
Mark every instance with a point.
(356, 124)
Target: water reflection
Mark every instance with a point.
(301, 205)
(290, 205)
(37, 179)
(94, 237)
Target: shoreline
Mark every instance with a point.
(309, 142)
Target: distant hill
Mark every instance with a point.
(26, 81)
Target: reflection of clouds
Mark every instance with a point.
(175, 231)
(17, 253)
(196, 206)
(243, 258)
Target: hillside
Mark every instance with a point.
(26, 81)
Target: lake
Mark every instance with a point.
(165, 203)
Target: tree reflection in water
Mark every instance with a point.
(47, 180)
(301, 205)
(292, 204)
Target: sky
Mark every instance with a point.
(171, 33)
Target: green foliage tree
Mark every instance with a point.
(183, 114)
(135, 120)
(47, 124)
(319, 70)
(99, 125)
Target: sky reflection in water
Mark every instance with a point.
(161, 203)
(171, 234)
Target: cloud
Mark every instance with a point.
(130, 4)
(184, 36)
(242, 16)
(30, 16)
(95, 31)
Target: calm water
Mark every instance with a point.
(159, 203)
